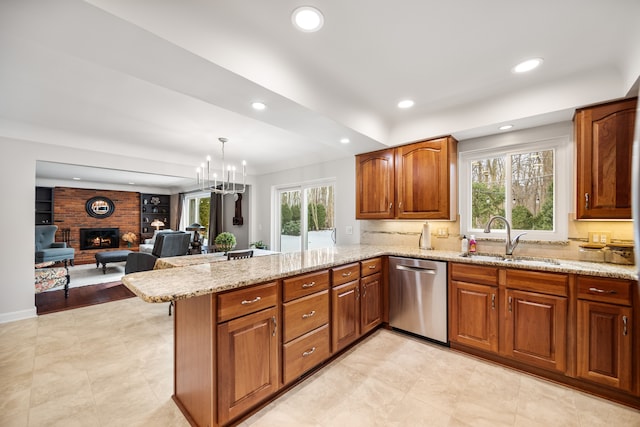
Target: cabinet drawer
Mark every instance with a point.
(244, 301)
(304, 353)
(370, 266)
(474, 273)
(537, 281)
(306, 284)
(345, 273)
(605, 290)
(305, 314)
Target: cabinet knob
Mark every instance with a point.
(275, 326)
(586, 200)
(624, 325)
(510, 301)
(493, 301)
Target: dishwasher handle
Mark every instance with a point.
(416, 269)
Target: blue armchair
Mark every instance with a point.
(47, 249)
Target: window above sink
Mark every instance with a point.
(528, 183)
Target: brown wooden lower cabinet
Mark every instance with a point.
(604, 344)
(248, 362)
(345, 315)
(371, 302)
(473, 315)
(536, 329)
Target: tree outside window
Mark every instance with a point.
(526, 199)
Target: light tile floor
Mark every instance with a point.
(111, 365)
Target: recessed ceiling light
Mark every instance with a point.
(505, 127)
(132, 183)
(527, 65)
(258, 105)
(406, 103)
(345, 140)
(307, 19)
(75, 178)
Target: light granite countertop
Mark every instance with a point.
(195, 275)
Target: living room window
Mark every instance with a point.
(196, 210)
(523, 183)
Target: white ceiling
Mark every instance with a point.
(164, 79)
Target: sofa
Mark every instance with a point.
(167, 244)
(147, 246)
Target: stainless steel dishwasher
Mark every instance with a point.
(418, 297)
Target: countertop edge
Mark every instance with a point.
(192, 277)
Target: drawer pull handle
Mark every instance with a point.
(308, 285)
(602, 291)
(372, 267)
(346, 274)
(309, 352)
(256, 299)
(624, 327)
(307, 315)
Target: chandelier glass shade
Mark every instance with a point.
(227, 183)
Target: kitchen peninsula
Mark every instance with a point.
(234, 321)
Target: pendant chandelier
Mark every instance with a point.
(226, 185)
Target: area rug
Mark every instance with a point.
(89, 274)
(53, 301)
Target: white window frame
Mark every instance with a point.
(184, 220)
(275, 208)
(562, 187)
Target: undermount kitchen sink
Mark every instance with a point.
(524, 260)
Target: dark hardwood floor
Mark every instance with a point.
(52, 301)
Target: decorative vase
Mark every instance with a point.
(129, 244)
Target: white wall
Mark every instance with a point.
(342, 170)
(17, 192)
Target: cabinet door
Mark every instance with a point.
(473, 315)
(345, 315)
(424, 180)
(371, 302)
(248, 365)
(375, 185)
(604, 137)
(604, 344)
(535, 328)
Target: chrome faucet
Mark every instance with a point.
(511, 244)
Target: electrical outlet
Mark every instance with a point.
(348, 229)
(443, 232)
(605, 237)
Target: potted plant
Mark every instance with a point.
(259, 245)
(225, 241)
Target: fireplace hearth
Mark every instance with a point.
(99, 238)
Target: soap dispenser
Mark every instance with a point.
(465, 245)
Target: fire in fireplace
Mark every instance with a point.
(99, 238)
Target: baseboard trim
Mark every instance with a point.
(18, 315)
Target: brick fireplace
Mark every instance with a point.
(69, 214)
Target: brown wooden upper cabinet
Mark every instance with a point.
(413, 181)
(604, 136)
